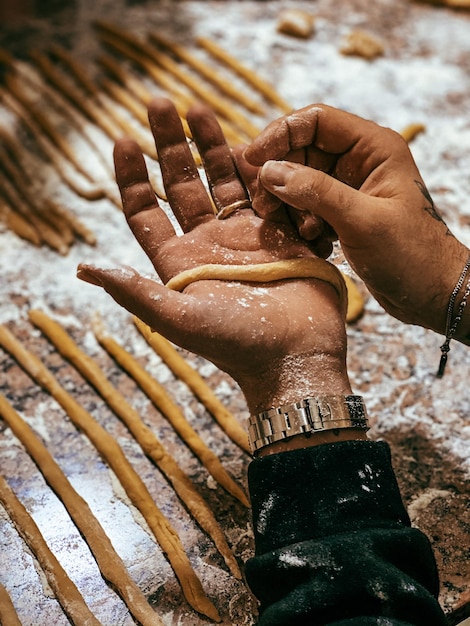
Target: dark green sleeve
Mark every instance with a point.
(334, 544)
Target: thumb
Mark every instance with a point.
(311, 190)
(157, 306)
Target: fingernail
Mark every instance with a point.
(89, 274)
(275, 173)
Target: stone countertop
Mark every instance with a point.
(421, 78)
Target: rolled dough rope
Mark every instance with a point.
(182, 370)
(97, 111)
(181, 99)
(88, 85)
(75, 224)
(132, 92)
(172, 413)
(87, 105)
(113, 455)
(80, 75)
(247, 74)
(50, 150)
(411, 131)
(264, 273)
(130, 82)
(160, 77)
(8, 614)
(64, 589)
(220, 105)
(18, 224)
(127, 99)
(209, 73)
(43, 120)
(73, 115)
(47, 235)
(110, 564)
(149, 443)
(355, 300)
(313, 267)
(52, 228)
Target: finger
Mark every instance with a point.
(222, 175)
(146, 219)
(285, 135)
(331, 130)
(310, 226)
(248, 173)
(157, 306)
(352, 140)
(319, 194)
(185, 191)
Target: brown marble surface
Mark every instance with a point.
(422, 77)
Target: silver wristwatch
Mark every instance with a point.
(306, 416)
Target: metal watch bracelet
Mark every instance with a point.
(307, 416)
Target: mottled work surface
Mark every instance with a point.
(421, 78)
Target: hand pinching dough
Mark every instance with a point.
(312, 267)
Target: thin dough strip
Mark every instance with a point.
(53, 230)
(264, 273)
(112, 453)
(181, 99)
(87, 84)
(313, 267)
(47, 234)
(248, 75)
(15, 86)
(64, 589)
(18, 173)
(101, 111)
(8, 614)
(73, 115)
(15, 222)
(220, 105)
(172, 412)
(131, 85)
(80, 230)
(110, 564)
(87, 105)
(52, 141)
(147, 440)
(209, 73)
(182, 370)
(50, 150)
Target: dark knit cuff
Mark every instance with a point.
(323, 490)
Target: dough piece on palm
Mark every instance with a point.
(277, 270)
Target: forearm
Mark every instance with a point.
(334, 543)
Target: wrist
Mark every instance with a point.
(459, 320)
(295, 377)
(308, 422)
(457, 257)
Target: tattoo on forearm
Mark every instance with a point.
(431, 209)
